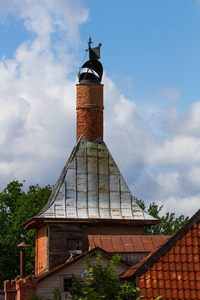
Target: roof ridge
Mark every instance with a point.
(72, 261)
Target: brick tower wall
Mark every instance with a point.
(40, 250)
(89, 108)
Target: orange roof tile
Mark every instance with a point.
(127, 243)
(172, 270)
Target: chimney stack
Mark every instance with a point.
(89, 111)
(89, 99)
(22, 247)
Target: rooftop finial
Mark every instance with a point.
(94, 67)
(90, 42)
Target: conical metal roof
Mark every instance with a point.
(92, 187)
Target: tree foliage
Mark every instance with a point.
(102, 283)
(167, 224)
(16, 207)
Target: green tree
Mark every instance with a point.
(16, 207)
(167, 224)
(102, 283)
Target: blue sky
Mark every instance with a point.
(154, 42)
(150, 55)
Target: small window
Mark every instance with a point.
(67, 284)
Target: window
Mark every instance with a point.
(67, 284)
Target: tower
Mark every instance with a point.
(91, 196)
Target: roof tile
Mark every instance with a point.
(193, 294)
(183, 258)
(150, 293)
(174, 293)
(155, 294)
(168, 293)
(180, 294)
(187, 294)
(192, 285)
(160, 284)
(190, 267)
(198, 292)
(189, 257)
(197, 273)
(184, 266)
(167, 283)
(159, 275)
(175, 274)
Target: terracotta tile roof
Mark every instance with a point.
(127, 243)
(173, 270)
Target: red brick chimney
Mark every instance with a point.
(89, 105)
(89, 99)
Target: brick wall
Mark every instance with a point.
(40, 249)
(20, 288)
(25, 287)
(89, 111)
(10, 289)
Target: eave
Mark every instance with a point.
(35, 222)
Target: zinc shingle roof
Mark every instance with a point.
(92, 187)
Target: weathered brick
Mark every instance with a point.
(89, 111)
(20, 288)
(40, 250)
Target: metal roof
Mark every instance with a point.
(92, 187)
(127, 243)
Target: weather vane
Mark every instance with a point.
(94, 69)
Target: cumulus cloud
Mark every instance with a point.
(37, 117)
(162, 169)
(181, 150)
(44, 17)
(181, 205)
(37, 97)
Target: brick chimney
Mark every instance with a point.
(89, 105)
(89, 99)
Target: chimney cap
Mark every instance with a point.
(92, 70)
(22, 245)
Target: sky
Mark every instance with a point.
(151, 58)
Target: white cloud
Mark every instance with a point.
(179, 150)
(169, 183)
(181, 205)
(45, 16)
(163, 169)
(37, 98)
(189, 123)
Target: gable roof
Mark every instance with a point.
(74, 260)
(173, 270)
(164, 248)
(91, 187)
(127, 243)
